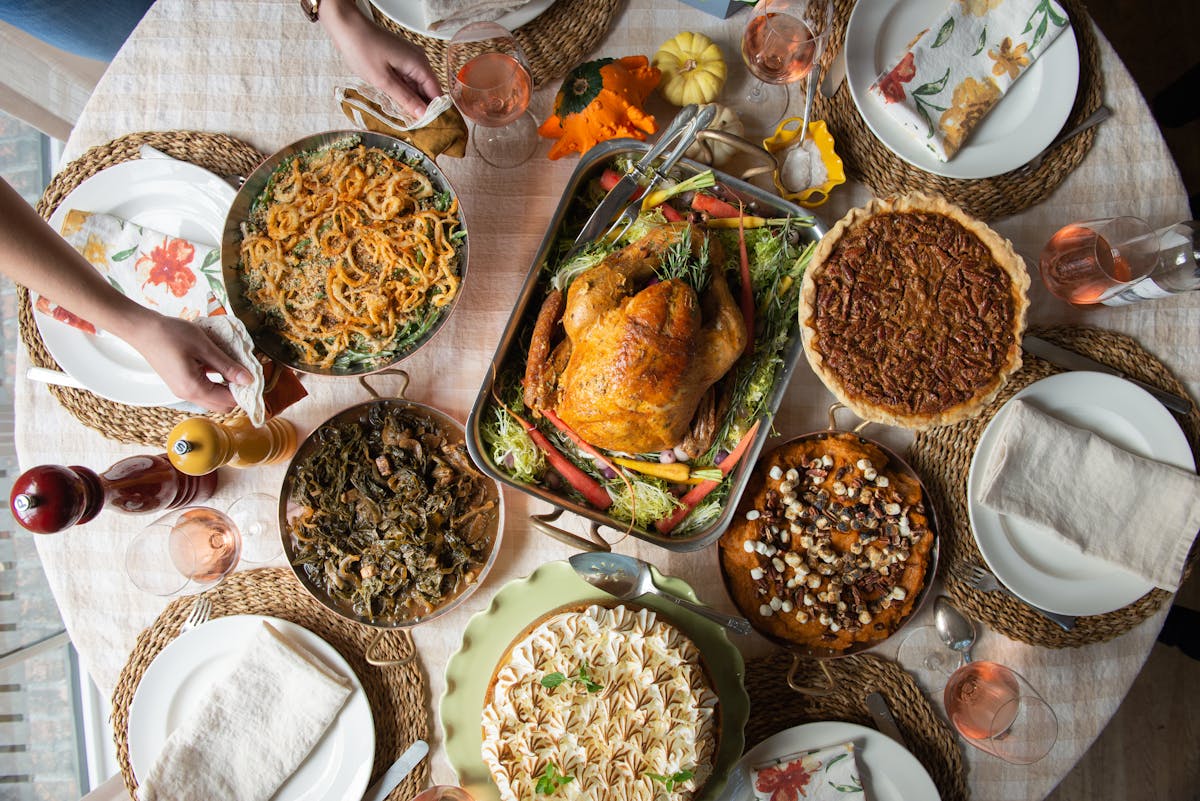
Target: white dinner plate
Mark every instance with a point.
(167, 195)
(1047, 572)
(1027, 119)
(339, 766)
(410, 14)
(888, 771)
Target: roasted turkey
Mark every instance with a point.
(639, 354)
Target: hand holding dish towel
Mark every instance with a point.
(253, 730)
(952, 75)
(1137, 513)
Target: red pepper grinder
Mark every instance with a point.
(51, 497)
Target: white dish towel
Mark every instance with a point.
(253, 730)
(441, 14)
(1137, 513)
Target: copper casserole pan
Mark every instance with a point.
(359, 413)
(263, 336)
(823, 655)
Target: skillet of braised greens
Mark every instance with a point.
(387, 518)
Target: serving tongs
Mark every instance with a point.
(609, 223)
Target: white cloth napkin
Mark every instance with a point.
(952, 75)
(453, 13)
(823, 774)
(253, 730)
(1137, 513)
(231, 336)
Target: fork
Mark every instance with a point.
(1095, 118)
(200, 612)
(983, 580)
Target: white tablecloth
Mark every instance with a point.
(258, 70)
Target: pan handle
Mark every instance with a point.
(380, 662)
(833, 426)
(362, 379)
(770, 163)
(815, 692)
(542, 524)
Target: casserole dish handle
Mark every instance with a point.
(542, 524)
(819, 691)
(769, 163)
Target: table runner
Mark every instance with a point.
(221, 72)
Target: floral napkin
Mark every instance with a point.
(823, 774)
(170, 275)
(952, 75)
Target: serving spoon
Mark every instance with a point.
(628, 578)
(956, 629)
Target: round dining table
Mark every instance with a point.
(259, 71)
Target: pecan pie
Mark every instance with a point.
(831, 545)
(912, 312)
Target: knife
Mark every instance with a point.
(878, 707)
(1077, 361)
(835, 76)
(629, 184)
(396, 773)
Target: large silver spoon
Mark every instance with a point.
(956, 629)
(628, 578)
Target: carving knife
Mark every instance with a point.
(878, 707)
(1077, 361)
(685, 124)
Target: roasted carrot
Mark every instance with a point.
(699, 492)
(670, 213)
(747, 288)
(714, 206)
(747, 220)
(588, 487)
(592, 451)
(678, 472)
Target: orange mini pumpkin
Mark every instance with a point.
(601, 100)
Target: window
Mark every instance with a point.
(41, 753)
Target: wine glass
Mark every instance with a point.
(996, 710)
(1092, 261)
(184, 552)
(192, 549)
(782, 43)
(490, 84)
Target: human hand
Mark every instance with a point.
(183, 354)
(387, 62)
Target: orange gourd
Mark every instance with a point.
(601, 100)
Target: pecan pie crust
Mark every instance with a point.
(912, 312)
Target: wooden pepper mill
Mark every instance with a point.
(52, 497)
(200, 445)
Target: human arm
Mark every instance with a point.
(32, 254)
(383, 60)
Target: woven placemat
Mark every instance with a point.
(396, 694)
(774, 706)
(143, 425)
(869, 160)
(553, 42)
(943, 456)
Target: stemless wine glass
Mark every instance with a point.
(996, 710)
(183, 552)
(782, 42)
(1091, 261)
(490, 83)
